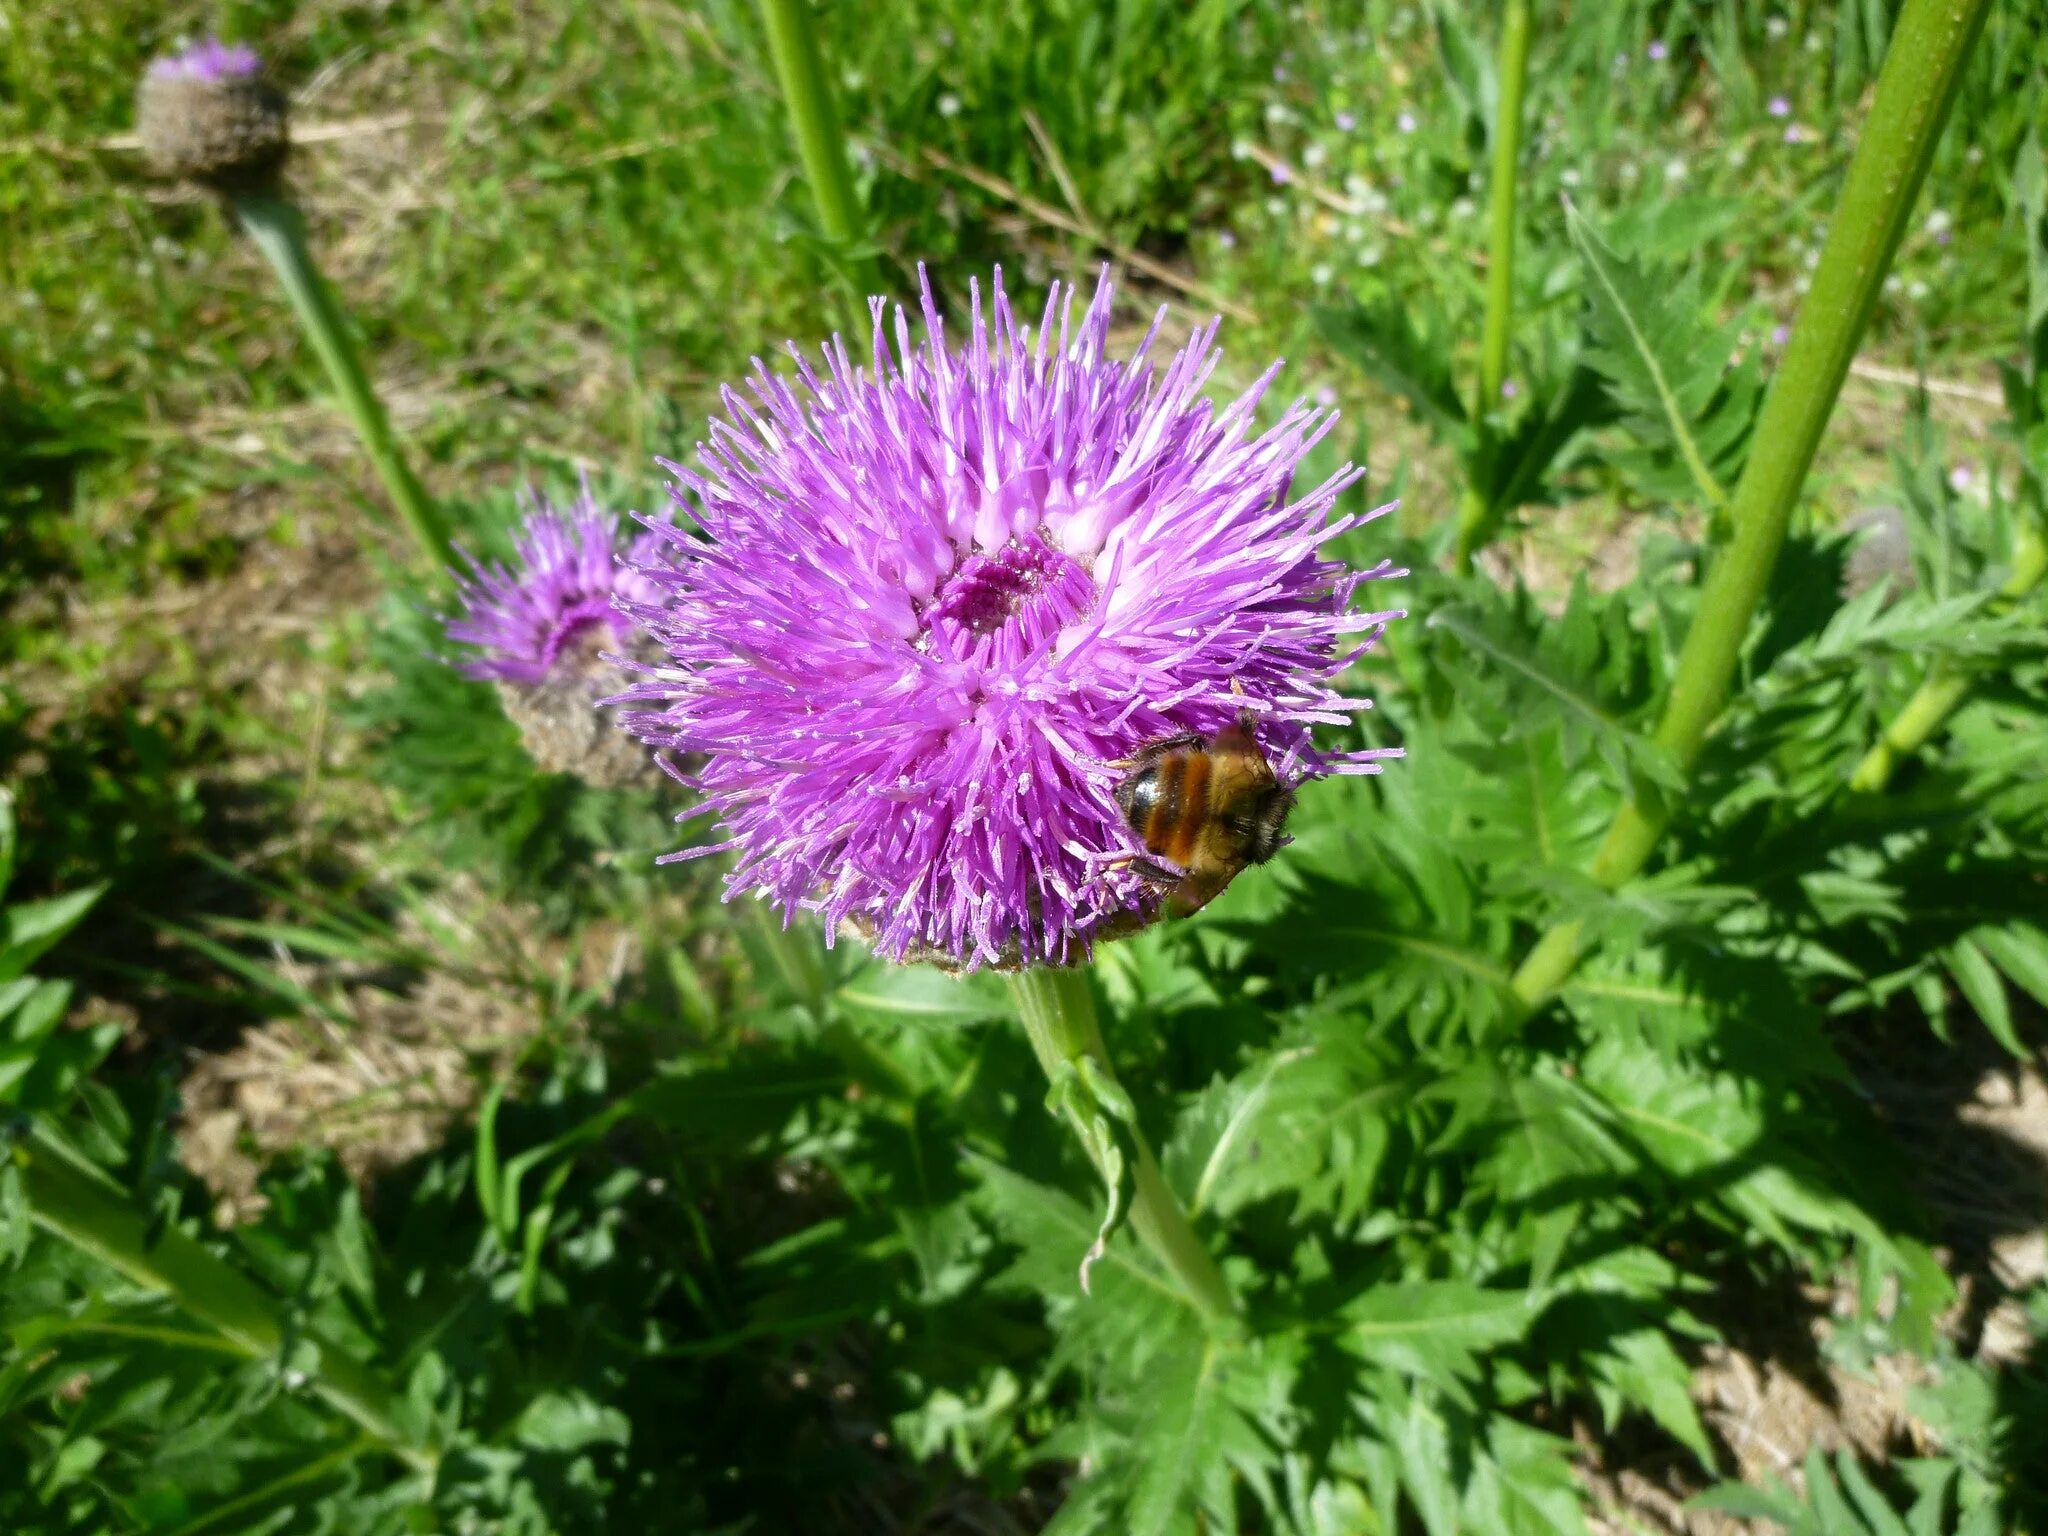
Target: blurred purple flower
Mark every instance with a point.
(1780, 334)
(1405, 122)
(1778, 106)
(1657, 52)
(1345, 122)
(1227, 239)
(1509, 389)
(557, 590)
(1283, 173)
(210, 59)
(1960, 478)
(945, 596)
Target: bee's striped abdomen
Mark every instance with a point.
(1177, 807)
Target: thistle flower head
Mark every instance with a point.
(539, 627)
(941, 600)
(207, 114)
(522, 618)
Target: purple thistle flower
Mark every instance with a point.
(559, 589)
(209, 59)
(948, 596)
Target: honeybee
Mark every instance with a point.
(1209, 804)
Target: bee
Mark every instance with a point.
(1210, 805)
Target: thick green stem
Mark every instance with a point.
(279, 232)
(76, 1203)
(1478, 515)
(1946, 686)
(793, 44)
(1914, 92)
(1058, 1014)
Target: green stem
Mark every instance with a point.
(1946, 685)
(75, 1202)
(1058, 1014)
(280, 233)
(1479, 515)
(1921, 71)
(793, 44)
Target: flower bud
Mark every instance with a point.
(209, 115)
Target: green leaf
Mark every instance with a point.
(1978, 980)
(1385, 346)
(1666, 369)
(879, 993)
(2020, 950)
(1551, 671)
(1102, 1114)
(570, 1420)
(1523, 1484)
(1436, 1328)
(28, 928)
(1131, 1310)
(1198, 1431)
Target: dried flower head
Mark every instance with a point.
(540, 628)
(208, 114)
(942, 600)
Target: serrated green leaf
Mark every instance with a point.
(1665, 366)
(1436, 1329)
(1383, 344)
(1978, 980)
(1187, 1439)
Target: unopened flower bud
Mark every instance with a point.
(209, 115)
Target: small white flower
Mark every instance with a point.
(1320, 274)
(1313, 155)
(949, 105)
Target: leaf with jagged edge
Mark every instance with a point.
(1522, 1483)
(1542, 1146)
(1730, 1141)
(1516, 671)
(1131, 1312)
(1458, 1470)
(1436, 1329)
(1211, 1415)
(1384, 344)
(1372, 911)
(1313, 1120)
(1668, 369)
(1841, 1499)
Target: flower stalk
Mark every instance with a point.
(1946, 685)
(73, 1201)
(1057, 1010)
(1478, 516)
(1915, 90)
(279, 232)
(800, 70)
